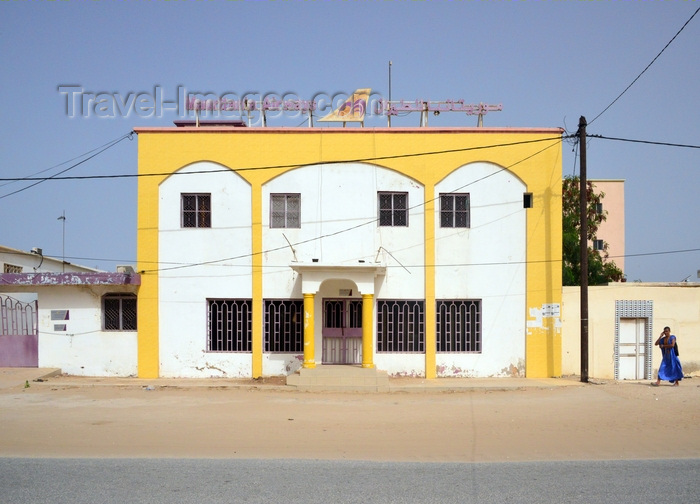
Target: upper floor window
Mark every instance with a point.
(285, 210)
(454, 210)
(119, 312)
(598, 245)
(393, 208)
(196, 210)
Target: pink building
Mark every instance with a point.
(612, 230)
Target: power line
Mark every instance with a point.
(291, 165)
(64, 162)
(647, 67)
(56, 177)
(649, 142)
(543, 261)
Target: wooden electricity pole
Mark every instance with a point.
(583, 200)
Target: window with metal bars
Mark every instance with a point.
(285, 210)
(283, 325)
(119, 312)
(393, 208)
(458, 324)
(229, 325)
(196, 210)
(454, 210)
(400, 326)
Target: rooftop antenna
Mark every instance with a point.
(63, 258)
(388, 116)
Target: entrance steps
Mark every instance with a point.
(339, 378)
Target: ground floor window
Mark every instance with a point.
(400, 325)
(283, 325)
(458, 325)
(119, 312)
(229, 324)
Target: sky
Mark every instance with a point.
(547, 62)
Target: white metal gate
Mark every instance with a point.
(633, 322)
(632, 355)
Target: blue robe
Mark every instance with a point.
(670, 369)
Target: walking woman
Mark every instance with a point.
(670, 369)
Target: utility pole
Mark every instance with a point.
(583, 200)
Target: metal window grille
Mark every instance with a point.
(229, 323)
(196, 210)
(284, 328)
(285, 210)
(119, 312)
(11, 268)
(454, 210)
(393, 209)
(401, 326)
(458, 324)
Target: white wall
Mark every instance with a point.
(184, 292)
(486, 261)
(34, 263)
(84, 349)
(339, 227)
(339, 205)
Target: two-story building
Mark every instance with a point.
(419, 251)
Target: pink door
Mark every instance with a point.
(342, 331)
(19, 336)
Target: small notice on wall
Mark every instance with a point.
(550, 310)
(59, 315)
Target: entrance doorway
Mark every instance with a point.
(342, 331)
(633, 344)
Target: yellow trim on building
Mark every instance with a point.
(427, 155)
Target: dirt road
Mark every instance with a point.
(605, 421)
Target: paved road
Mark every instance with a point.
(184, 481)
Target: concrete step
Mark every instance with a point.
(339, 379)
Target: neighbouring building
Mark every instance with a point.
(612, 230)
(426, 252)
(624, 321)
(54, 314)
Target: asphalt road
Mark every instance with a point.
(183, 481)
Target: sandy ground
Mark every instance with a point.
(57, 418)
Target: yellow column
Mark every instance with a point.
(367, 330)
(256, 230)
(430, 316)
(309, 356)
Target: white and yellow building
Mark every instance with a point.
(425, 252)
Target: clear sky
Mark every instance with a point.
(547, 62)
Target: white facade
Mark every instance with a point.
(83, 348)
(339, 231)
